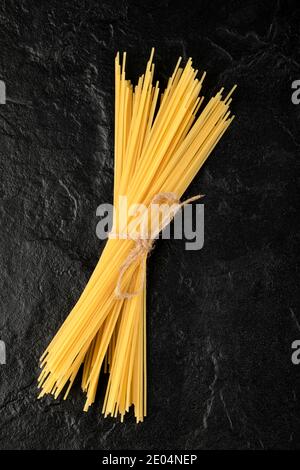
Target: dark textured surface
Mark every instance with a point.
(220, 321)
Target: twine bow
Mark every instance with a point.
(143, 246)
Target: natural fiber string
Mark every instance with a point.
(143, 246)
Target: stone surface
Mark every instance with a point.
(221, 320)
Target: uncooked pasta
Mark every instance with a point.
(161, 142)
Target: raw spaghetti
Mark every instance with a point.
(161, 142)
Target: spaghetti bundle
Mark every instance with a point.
(161, 141)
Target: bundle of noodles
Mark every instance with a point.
(159, 147)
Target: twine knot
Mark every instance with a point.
(144, 245)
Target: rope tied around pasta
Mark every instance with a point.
(143, 246)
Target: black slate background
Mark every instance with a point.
(220, 321)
